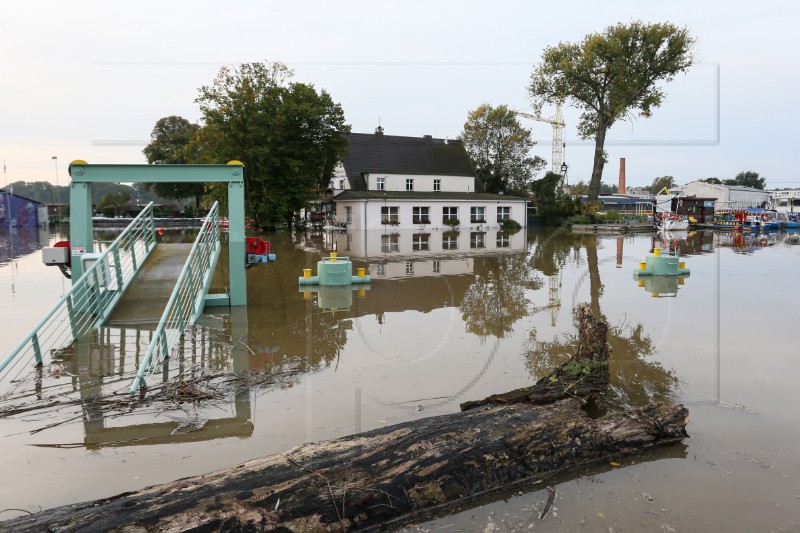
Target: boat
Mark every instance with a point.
(668, 221)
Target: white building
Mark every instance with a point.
(417, 183)
(726, 196)
(787, 200)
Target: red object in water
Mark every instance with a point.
(256, 245)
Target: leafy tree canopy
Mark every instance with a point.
(660, 184)
(611, 75)
(170, 143)
(748, 179)
(499, 148)
(713, 181)
(288, 135)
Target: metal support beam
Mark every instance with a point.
(81, 238)
(84, 174)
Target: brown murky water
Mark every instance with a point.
(447, 318)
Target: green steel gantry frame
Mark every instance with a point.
(84, 175)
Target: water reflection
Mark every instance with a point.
(16, 242)
(635, 379)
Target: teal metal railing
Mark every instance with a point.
(187, 300)
(90, 300)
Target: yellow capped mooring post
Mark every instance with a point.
(306, 272)
(656, 252)
(361, 272)
(333, 257)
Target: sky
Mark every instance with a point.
(89, 79)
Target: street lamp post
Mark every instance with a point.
(58, 208)
(564, 181)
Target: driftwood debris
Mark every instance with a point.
(584, 376)
(381, 478)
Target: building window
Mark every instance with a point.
(450, 240)
(409, 268)
(503, 213)
(449, 213)
(503, 241)
(437, 185)
(421, 242)
(437, 267)
(380, 269)
(409, 184)
(341, 184)
(421, 215)
(476, 215)
(390, 242)
(390, 215)
(477, 239)
(381, 184)
(348, 214)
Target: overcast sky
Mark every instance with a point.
(88, 80)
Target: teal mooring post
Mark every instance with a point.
(83, 175)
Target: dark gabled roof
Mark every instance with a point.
(369, 152)
(18, 196)
(351, 194)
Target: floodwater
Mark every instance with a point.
(447, 318)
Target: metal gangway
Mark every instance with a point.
(91, 299)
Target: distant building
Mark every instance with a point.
(414, 183)
(18, 211)
(726, 196)
(787, 200)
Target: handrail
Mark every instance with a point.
(92, 297)
(185, 304)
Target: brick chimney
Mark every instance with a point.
(621, 189)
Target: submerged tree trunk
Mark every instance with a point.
(395, 474)
(584, 376)
(389, 476)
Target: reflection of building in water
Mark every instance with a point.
(403, 253)
(19, 241)
(685, 242)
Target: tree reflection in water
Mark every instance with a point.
(636, 380)
(497, 298)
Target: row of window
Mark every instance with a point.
(381, 184)
(421, 215)
(421, 242)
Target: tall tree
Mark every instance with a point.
(663, 182)
(170, 144)
(499, 148)
(748, 179)
(288, 135)
(611, 75)
(713, 181)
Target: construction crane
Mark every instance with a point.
(557, 121)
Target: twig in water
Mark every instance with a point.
(551, 496)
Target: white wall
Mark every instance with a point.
(366, 214)
(422, 183)
(397, 245)
(726, 197)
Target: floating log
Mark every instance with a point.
(584, 376)
(389, 476)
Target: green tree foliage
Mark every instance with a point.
(499, 148)
(605, 188)
(171, 144)
(288, 135)
(111, 203)
(664, 182)
(609, 76)
(553, 203)
(713, 181)
(748, 179)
